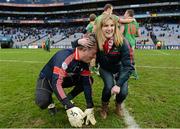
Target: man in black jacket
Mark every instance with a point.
(67, 68)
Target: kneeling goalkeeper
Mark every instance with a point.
(67, 68)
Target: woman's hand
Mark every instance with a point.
(115, 89)
(86, 42)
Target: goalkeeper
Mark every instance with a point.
(67, 68)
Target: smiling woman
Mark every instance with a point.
(116, 62)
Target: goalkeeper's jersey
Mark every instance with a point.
(65, 63)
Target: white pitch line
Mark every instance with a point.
(129, 120)
(159, 67)
(158, 54)
(29, 52)
(164, 53)
(22, 61)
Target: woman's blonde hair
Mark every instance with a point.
(118, 37)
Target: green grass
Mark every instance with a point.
(153, 100)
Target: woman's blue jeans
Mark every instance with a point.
(109, 82)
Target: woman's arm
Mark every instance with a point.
(127, 63)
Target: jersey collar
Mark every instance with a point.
(76, 54)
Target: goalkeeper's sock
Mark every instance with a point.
(52, 109)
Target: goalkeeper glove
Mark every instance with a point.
(75, 116)
(90, 116)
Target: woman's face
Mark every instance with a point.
(108, 29)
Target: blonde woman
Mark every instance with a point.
(116, 63)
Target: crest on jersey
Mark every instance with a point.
(64, 66)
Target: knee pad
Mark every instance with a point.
(42, 104)
(43, 98)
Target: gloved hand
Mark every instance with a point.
(90, 116)
(75, 116)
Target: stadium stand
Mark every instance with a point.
(33, 21)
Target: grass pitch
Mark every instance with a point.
(153, 100)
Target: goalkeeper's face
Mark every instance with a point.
(88, 54)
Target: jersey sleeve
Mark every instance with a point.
(127, 63)
(59, 73)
